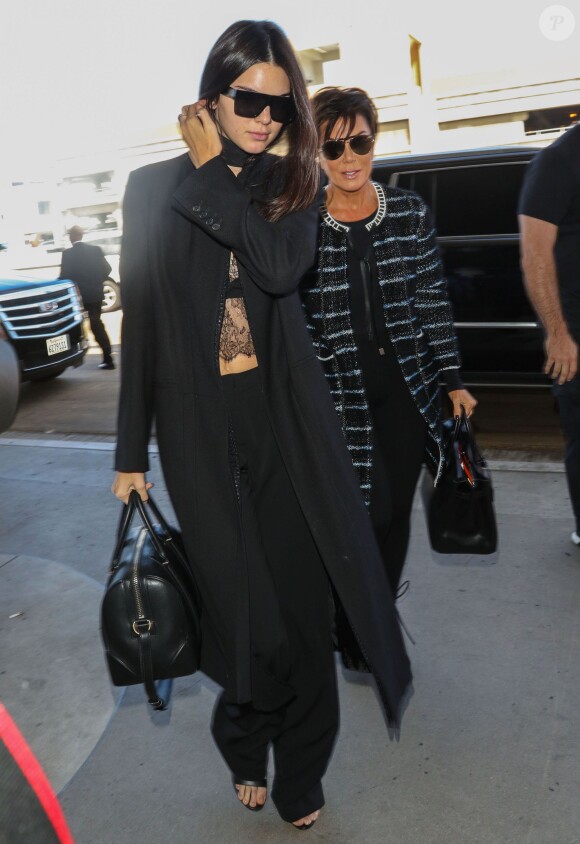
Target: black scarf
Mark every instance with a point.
(232, 154)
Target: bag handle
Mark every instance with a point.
(125, 520)
(167, 535)
(136, 504)
(462, 421)
(463, 428)
(462, 443)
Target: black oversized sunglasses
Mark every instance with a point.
(361, 144)
(251, 104)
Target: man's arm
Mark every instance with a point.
(63, 262)
(537, 243)
(105, 266)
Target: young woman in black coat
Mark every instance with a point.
(215, 348)
(380, 318)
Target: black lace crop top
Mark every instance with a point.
(236, 336)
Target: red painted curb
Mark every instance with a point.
(32, 771)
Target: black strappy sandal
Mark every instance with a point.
(304, 826)
(252, 784)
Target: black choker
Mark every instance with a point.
(232, 154)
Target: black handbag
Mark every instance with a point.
(150, 613)
(459, 510)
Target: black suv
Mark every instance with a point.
(43, 321)
(473, 195)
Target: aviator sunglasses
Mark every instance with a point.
(251, 104)
(360, 144)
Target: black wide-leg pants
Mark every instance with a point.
(399, 439)
(98, 328)
(290, 625)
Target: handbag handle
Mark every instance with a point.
(463, 425)
(463, 445)
(136, 504)
(462, 421)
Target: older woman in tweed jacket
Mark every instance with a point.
(380, 319)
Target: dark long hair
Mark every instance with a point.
(242, 45)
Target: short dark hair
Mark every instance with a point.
(75, 234)
(342, 105)
(242, 45)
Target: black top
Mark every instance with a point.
(551, 192)
(235, 156)
(366, 301)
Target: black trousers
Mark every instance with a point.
(290, 624)
(98, 329)
(568, 398)
(399, 438)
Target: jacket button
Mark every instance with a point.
(216, 226)
(196, 208)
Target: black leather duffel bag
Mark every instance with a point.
(150, 611)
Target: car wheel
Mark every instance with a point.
(111, 296)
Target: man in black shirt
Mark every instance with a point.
(85, 264)
(549, 215)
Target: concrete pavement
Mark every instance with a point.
(488, 752)
(80, 401)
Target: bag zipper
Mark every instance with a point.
(139, 605)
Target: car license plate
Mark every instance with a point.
(58, 344)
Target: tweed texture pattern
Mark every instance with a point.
(417, 315)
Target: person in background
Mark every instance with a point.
(379, 315)
(215, 348)
(549, 218)
(85, 264)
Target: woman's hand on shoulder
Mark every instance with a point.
(125, 482)
(199, 131)
(462, 398)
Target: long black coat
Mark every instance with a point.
(179, 227)
(85, 264)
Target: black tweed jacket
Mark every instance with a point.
(417, 315)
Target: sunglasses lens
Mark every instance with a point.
(361, 144)
(333, 149)
(250, 104)
(282, 109)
